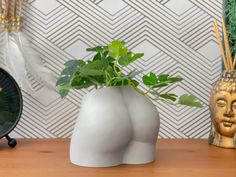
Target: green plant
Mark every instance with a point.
(230, 15)
(106, 69)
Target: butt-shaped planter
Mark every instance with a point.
(116, 125)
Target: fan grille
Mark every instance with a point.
(10, 103)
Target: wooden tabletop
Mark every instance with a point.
(175, 158)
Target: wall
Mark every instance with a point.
(175, 35)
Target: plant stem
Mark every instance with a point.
(148, 91)
(108, 77)
(117, 73)
(114, 78)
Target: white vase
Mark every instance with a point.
(115, 126)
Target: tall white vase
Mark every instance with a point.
(115, 126)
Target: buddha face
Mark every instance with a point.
(224, 113)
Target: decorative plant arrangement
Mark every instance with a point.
(118, 113)
(106, 69)
(223, 95)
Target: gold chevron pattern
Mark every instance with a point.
(176, 36)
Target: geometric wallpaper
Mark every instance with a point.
(176, 36)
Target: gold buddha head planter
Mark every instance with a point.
(223, 111)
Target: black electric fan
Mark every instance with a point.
(11, 105)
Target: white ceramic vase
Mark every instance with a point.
(115, 126)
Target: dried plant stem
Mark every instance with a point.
(10, 11)
(234, 64)
(20, 7)
(227, 48)
(1, 9)
(216, 28)
(8, 8)
(15, 9)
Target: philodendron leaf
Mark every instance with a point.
(64, 82)
(129, 58)
(161, 84)
(97, 49)
(131, 75)
(117, 49)
(68, 72)
(167, 78)
(79, 82)
(123, 61)
(63, 92)
(175, 79)
(169, 96)
(91, 72)
(134, 83)
(95, 68)
(164, 80)
(71, 63)
(190, 100)
(97, 57)
(150, 80)
(163, 77)
(102, 52)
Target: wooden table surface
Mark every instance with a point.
(175, 158)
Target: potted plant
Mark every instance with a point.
(117, 122)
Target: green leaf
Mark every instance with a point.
(131, 75)
(95, 68)
(136, 56)
(63, 80)
(71, 63)
(97, 57)
(135, 83)
(110, 59)
(99, 49)
(81, 63)
(117, 49)
(150, 80)
(79, 83)
(102, 52)
(129, 58)
(63, 92)
(96, 80)
(190, 100)
(110, 71)
(168, 78)
(91, 72)
(175, 79)
(163, 77)
(169, 96)
(123, 61)
(104, 63)
(159, 85)
(165, 80)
